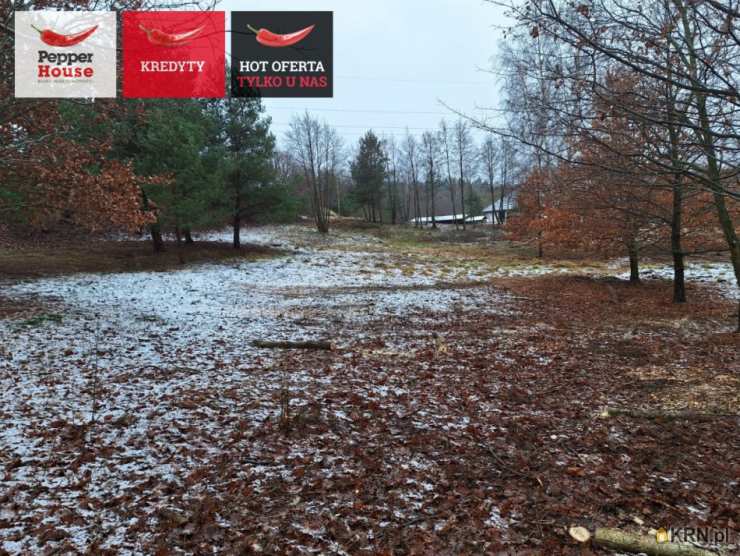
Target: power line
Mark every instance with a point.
(412, 81)
(379, 111)
(349, 110)
(366, 126)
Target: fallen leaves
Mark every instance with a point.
(445, 429)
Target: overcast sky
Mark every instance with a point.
(395, 60)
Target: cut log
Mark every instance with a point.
(309, 344)
(580, 534)
(615, 539)
(668, 415)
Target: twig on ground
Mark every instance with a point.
(658, 414)
(317, 344)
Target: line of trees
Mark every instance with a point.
(446, 172)
(168, 166)
(625, 117)
(172, 167)
(388, 181)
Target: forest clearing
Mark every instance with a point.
(412, 278)
(460, 408)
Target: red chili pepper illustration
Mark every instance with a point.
(274, 40)
(55, 39)
(160, 38)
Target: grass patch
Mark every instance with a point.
(40, 320)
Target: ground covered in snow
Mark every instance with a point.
(459, 411)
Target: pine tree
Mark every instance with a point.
(188, 195)
(368, 173)
(245, 133)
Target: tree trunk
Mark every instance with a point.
(679, 283)
(433, 195)
(706, 136)
(434, 211)
(178, 235)
(237, 231)
(620, 541)
(392, 198)
(679, 280)
(237, 211)
(322, 222)
(493, 204)
(427, 209)
(320, 203)
(339, 198)
(188, 236)
(155, 231)
(502, 211)
(453, 199)
(315, 344)
(462, 199)
(676, 415)
(417, 205)
(725, 219)
(634, 264)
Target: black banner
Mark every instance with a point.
(282, 54)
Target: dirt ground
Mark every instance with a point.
(461, 411)
(116, 256)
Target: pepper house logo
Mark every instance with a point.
(174, 55)
(282, 54)
(65, 54)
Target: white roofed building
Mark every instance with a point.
(498, 212)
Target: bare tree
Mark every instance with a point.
(489, 155)
(445, 141)
(463, 149)
(317, 149)
(412, 163)
(431, 153)
(335, 157)
(506, 167)
(392, 182)
(685, 58)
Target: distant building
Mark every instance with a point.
(492, 214)
(498, 213)
(449, 219)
